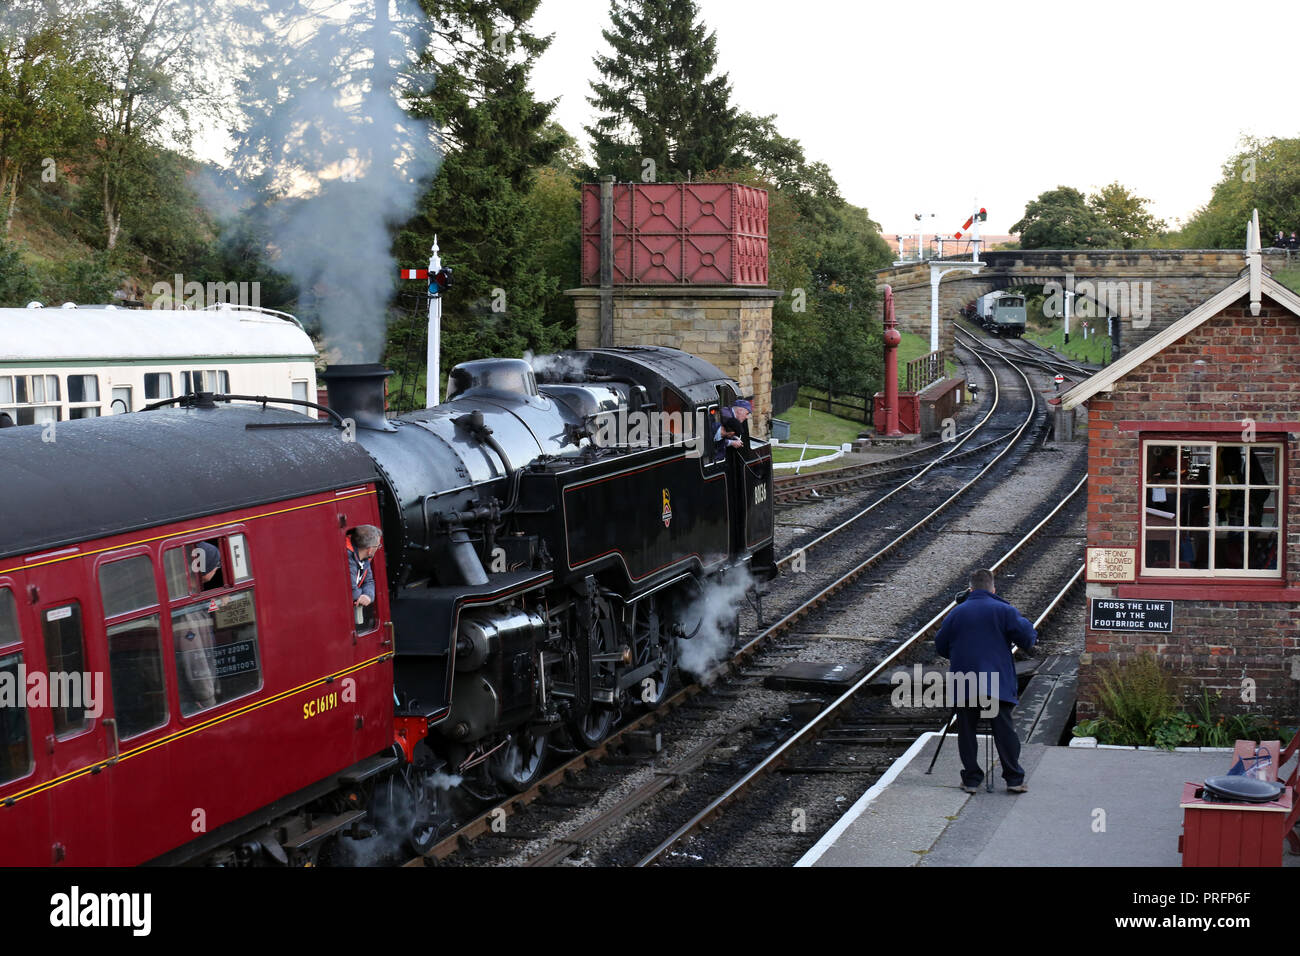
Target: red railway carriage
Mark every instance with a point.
(151, 710)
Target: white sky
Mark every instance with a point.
(930, 107)
(934, 107)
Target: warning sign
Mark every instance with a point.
(1112, 564)
(1111, 614)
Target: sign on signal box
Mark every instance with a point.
(1112, 565)
(1119, 614)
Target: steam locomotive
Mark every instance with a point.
(547, 541)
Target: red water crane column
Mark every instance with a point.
(892, 339)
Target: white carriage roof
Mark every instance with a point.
(105, 335)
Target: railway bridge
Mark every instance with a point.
(1147, 289)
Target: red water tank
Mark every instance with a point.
(679, 234)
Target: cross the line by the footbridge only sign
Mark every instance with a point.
(1122, 614)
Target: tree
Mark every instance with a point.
(822, 253)
(1126, 214)
(47, 87)
(485, 205)
(1062, 219)
(159, 60)
(659, 99)
(1263, 175)
(17, 284)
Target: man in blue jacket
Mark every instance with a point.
(977, 637)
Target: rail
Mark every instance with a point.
(810, 730)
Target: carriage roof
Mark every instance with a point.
(106, 335)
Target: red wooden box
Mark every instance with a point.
(679, 234)
(1232, 834)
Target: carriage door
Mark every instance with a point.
(81, 742)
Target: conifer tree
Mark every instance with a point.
(496, 135)
(659, 96)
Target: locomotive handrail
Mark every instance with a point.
(209, 399)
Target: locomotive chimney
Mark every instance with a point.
(359, 392)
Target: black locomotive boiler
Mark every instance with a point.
(549, 537)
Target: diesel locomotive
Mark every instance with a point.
(549, 538)
(1002, 313)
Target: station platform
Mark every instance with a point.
(1084, 807)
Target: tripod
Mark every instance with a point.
(988, 749)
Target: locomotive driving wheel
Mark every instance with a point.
(519, 763)
(589, 729)
(409, 804)
(652, 646)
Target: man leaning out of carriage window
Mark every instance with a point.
(363, 542)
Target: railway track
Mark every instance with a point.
(1029, 352)
(780, 759)
(806, 487)
(576, 774)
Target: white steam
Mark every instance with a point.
(328, 133)
(715, 610)
(561, 366)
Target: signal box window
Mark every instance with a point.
(15, 733)
(134, 645)
(1211, 509)
(214, 625)
(65, 659)
(157, 386)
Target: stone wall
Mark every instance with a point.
(1226, 631)
(732, 328)
(1181, 279)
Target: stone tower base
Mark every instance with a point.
(730, 327)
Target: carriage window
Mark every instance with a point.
(9, 633)
(217, 657)
(157, 385)
(127, 586)
(135, 666)
(83, 388)
(24, 399)
(65, 659)
(300, 391)
(216, 651)
(211, 380)
(197, 567)
(15, 734)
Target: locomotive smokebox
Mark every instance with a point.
(360, 392)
